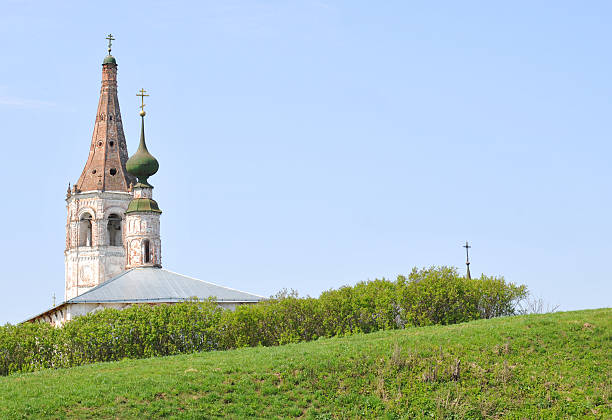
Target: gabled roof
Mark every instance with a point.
(152, 284)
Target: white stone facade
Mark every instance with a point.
(95, 238)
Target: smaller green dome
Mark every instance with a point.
(142, 164)
(143, 205)
(109, 59)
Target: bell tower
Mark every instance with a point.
(142, 238)
(97, 203)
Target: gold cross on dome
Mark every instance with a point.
(142, 95)
(110, 42)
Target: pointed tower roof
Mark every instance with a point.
(105, 167)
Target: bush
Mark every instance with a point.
(436, 295)
(439, 295)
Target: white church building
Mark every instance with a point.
(113, 255)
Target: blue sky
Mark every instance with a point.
(313, 144)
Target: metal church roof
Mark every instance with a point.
(152, 284)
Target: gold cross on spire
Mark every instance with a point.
(142, 95)
(110, 42)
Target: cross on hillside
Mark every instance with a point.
(467, 258)
(467, 252)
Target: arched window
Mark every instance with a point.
(146, 251)
(113, 230)
(85, 230)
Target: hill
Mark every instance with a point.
(536, 366)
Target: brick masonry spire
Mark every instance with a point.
(105, 167)
(96, 206)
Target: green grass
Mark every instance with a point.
(528, 367)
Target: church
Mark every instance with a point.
(113, 255)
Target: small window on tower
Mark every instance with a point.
(85, 233)
(99, 144)
(112, 143)
(114, 230)
(146, 257)
(94, 172)
(113, 171)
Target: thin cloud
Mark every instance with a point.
(24, 103)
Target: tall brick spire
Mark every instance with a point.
(105, 167)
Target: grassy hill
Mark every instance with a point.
(537, 366)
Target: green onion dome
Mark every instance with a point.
(142, 164)
(109, 59)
